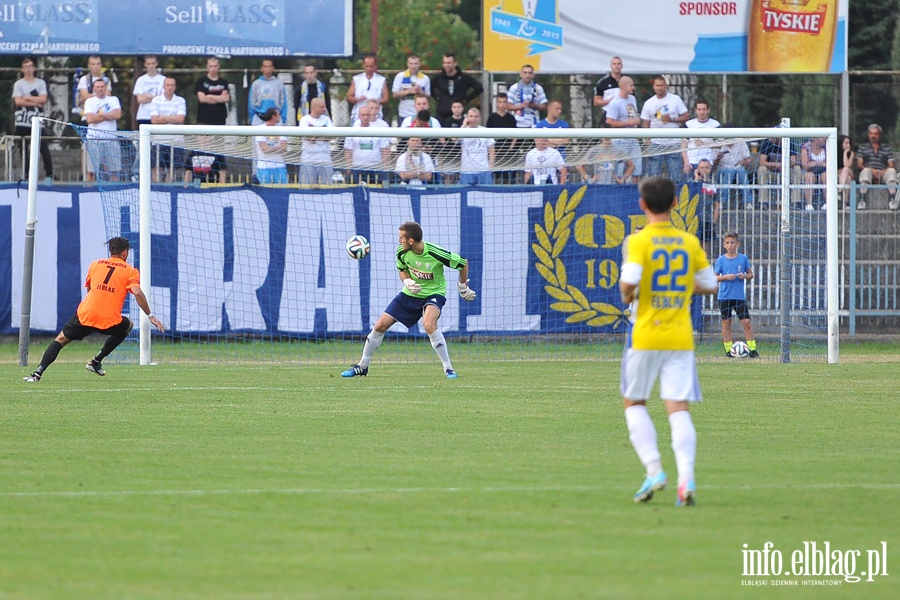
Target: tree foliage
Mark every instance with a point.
(422, 27)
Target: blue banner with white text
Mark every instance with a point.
(265, 28)
(543, 259)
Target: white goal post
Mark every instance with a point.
(578, 138)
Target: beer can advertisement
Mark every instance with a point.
(667, 36)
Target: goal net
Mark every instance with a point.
(241, 232)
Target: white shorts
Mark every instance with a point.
(675, 369)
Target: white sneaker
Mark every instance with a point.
(824, 206)
(893, 204)
(861, 205)
(748, 206)
(809, 207)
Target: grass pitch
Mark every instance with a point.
(514, 481)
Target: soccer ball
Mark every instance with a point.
(358, 247)
(740, 350)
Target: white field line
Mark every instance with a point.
(422, 490)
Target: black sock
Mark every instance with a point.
(112, 342)
(50, 355)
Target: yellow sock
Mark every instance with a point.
(727, 346)
(751, 344)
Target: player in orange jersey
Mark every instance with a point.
(108, 282)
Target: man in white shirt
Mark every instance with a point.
(367, 156)
(369, 84)
(731, 168)
(622, 113)
(414, 166)
(664, 111)
(696, 149)
(147, 87)
(167, 155)
(420, 103)
(544, 164)
(101, 111)
(526, 98)
(270, 149)
(84, 90)
(478, 154)
(408, 85)
(316, 166)
(376, 121)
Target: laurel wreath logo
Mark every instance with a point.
(684, 216)
(551, 241)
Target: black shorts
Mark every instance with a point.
(74, 330)
(409, 309)
(738, 306)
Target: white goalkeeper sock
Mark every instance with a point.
(373, 342)
(440, 346)
(684, 444)
(642, 434)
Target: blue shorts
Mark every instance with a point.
(409, 309)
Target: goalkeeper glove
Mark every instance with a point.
(465, 292)
(412, 286)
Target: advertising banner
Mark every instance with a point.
(269, 28)
(667, 36)
(543, 259)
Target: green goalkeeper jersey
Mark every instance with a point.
(427, 269)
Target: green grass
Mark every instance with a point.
(514, 481)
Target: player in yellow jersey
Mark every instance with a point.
(108, 282)
(663, 267)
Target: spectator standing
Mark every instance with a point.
(453, 84)
(316, 166)
(311, 87)
(376, 121)
(696, 149)
(147, 87)
(553, 121)
(270, 149)
(606, 88)
(421, 104)
(526, 98)
(368, 85)
(30, 97)
(367, 156)
(622, 113)
(875, 162)
(169, 109)
(101, 111)
(664, 111)
(95, 73)
(504, 147)
(85, 90)
(478, 154)
(458, 118)
(544, 164)
(410, 84)
(213, 96)
(267, 92)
